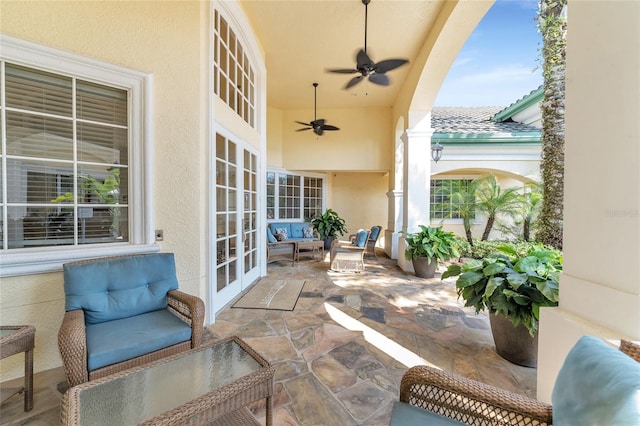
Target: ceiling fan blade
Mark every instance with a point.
(379, 79)
(304, 124)
(343, 71)
(363, 59)
(318, 131)
(329, 127)
(389, 64)
(302, 130)
(353, 82)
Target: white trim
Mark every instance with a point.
(49, 259)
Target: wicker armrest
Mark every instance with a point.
(469, 401)
(72, 343)
(630, 349)
(191, 309)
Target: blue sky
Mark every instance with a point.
(499, 62)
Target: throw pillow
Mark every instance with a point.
(283, 232)
(596, 385)
(270, 236)
(307, 232)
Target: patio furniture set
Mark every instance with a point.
(131, 345)
(132, 352)
(293, 240)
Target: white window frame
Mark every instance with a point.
(435, 220)
(25, 261)
(301, 209)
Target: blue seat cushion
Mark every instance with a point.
(119, 287)
(597, 385)
(361, 238)
(404, 414)
(115, 341)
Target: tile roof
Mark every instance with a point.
(473, 120)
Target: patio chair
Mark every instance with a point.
(347, 256)
(597, 384)
(370, 248)
(280, 250)
(121, 312)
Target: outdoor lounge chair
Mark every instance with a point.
(370, 248)
(347, 256)
(597, 384)
(122, 312)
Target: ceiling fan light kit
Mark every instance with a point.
(374, 72)
(318, 126)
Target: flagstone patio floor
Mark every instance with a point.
(340, 354)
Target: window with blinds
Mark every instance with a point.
(65, 160)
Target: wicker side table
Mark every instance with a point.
(13, 340)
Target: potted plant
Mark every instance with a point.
(428, 246)
(329, 225)
(512, 286)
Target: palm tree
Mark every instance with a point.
(553, 26)
(493, 200)
(531, 201)
(464, 202)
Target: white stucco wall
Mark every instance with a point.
(600, 285)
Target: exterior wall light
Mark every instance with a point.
(436, 151)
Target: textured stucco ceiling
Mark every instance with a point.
(302, 38)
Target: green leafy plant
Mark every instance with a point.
(511, 284)
(329, 224)
(432, 242)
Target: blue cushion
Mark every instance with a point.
(404, 414)
(119, 287)
(375, 231)
(597, 385)
(270, 236)
(361, 238)
(116, 341)
(296, 230)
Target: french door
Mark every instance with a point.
(235, 238)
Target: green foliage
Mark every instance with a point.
(329, 225)
(482, 249)
(432, 242)
(494, 200)
(510, 283)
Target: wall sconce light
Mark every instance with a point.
(436, 151)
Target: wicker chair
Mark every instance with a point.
(118, 307)
(471, 402)
(347, 256)
(370, 248)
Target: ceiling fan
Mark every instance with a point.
(366, 67)
(317, 125)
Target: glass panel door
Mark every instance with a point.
(236, 249)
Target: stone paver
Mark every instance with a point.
(331, 374)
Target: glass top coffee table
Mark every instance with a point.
(211, 384)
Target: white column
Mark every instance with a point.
(417, 173)
(394, 225)
(600, 283)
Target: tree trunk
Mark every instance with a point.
(487, 228)
(553, 28)
(526, 229)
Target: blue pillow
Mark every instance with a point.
(361, 238)
(597, 385)
(270, 236)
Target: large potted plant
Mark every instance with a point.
(428, 246)
(512, 286)
(329, 225)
